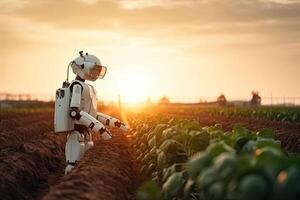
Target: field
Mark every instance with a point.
(32, 160)
(158, 147)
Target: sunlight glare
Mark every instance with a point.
(133, 86)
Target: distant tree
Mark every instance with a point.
(222, 100)
(164, 100)
(256, 99)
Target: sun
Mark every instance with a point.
(133, 86)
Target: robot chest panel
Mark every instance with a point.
(89, 100)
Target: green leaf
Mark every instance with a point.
(266, 133)
(268, 142)
(170, 132)
(216, 191)
(289, 183)
(197, 163)
(225, 164)
(188, 189)
(170, 146)
(206, 178)
(191, 125)
(249, 147)
(239, 131)
(173, 185)
(152, 142)
(149, 191)
(167, 172)
(218, 148)
(240, 143)
(162, 161)
(253, 186)
(198, 142)
(153, 151)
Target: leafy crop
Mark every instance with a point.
(291, 114)
(188, 161)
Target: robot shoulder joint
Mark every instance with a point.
(75, 83)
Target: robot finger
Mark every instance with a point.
(105, 134)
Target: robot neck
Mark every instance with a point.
(79, 79)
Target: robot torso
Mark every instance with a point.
(88, 98)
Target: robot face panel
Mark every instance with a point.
(98, 71)
(88, 67)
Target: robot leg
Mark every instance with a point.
(88, 141)
(74, 149)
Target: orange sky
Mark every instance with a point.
(180, 48)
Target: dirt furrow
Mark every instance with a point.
(18, 135)
(107, 171)
(25, 167)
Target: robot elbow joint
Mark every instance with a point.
(74, 114)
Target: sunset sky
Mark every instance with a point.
(178, 48)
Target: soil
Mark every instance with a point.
(107, 171)
(25, 167)
(32, 163)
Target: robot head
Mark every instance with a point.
(88, 67)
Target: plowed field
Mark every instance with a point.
(32, 158)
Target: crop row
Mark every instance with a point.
(188, 161)
(273, 113)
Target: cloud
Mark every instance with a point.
(161, 16)
(9, 6)
(113, 14)
(182, 23)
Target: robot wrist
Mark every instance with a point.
(103, 130)
(118, 123)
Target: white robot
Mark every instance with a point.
(76, 109)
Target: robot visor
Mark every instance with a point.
(98, 71)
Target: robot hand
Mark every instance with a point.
(113, 122)
(90, 122)
(122, 126)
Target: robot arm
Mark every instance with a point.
(90, 122)
(83, 117)
(113, 122)
(76, 96)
